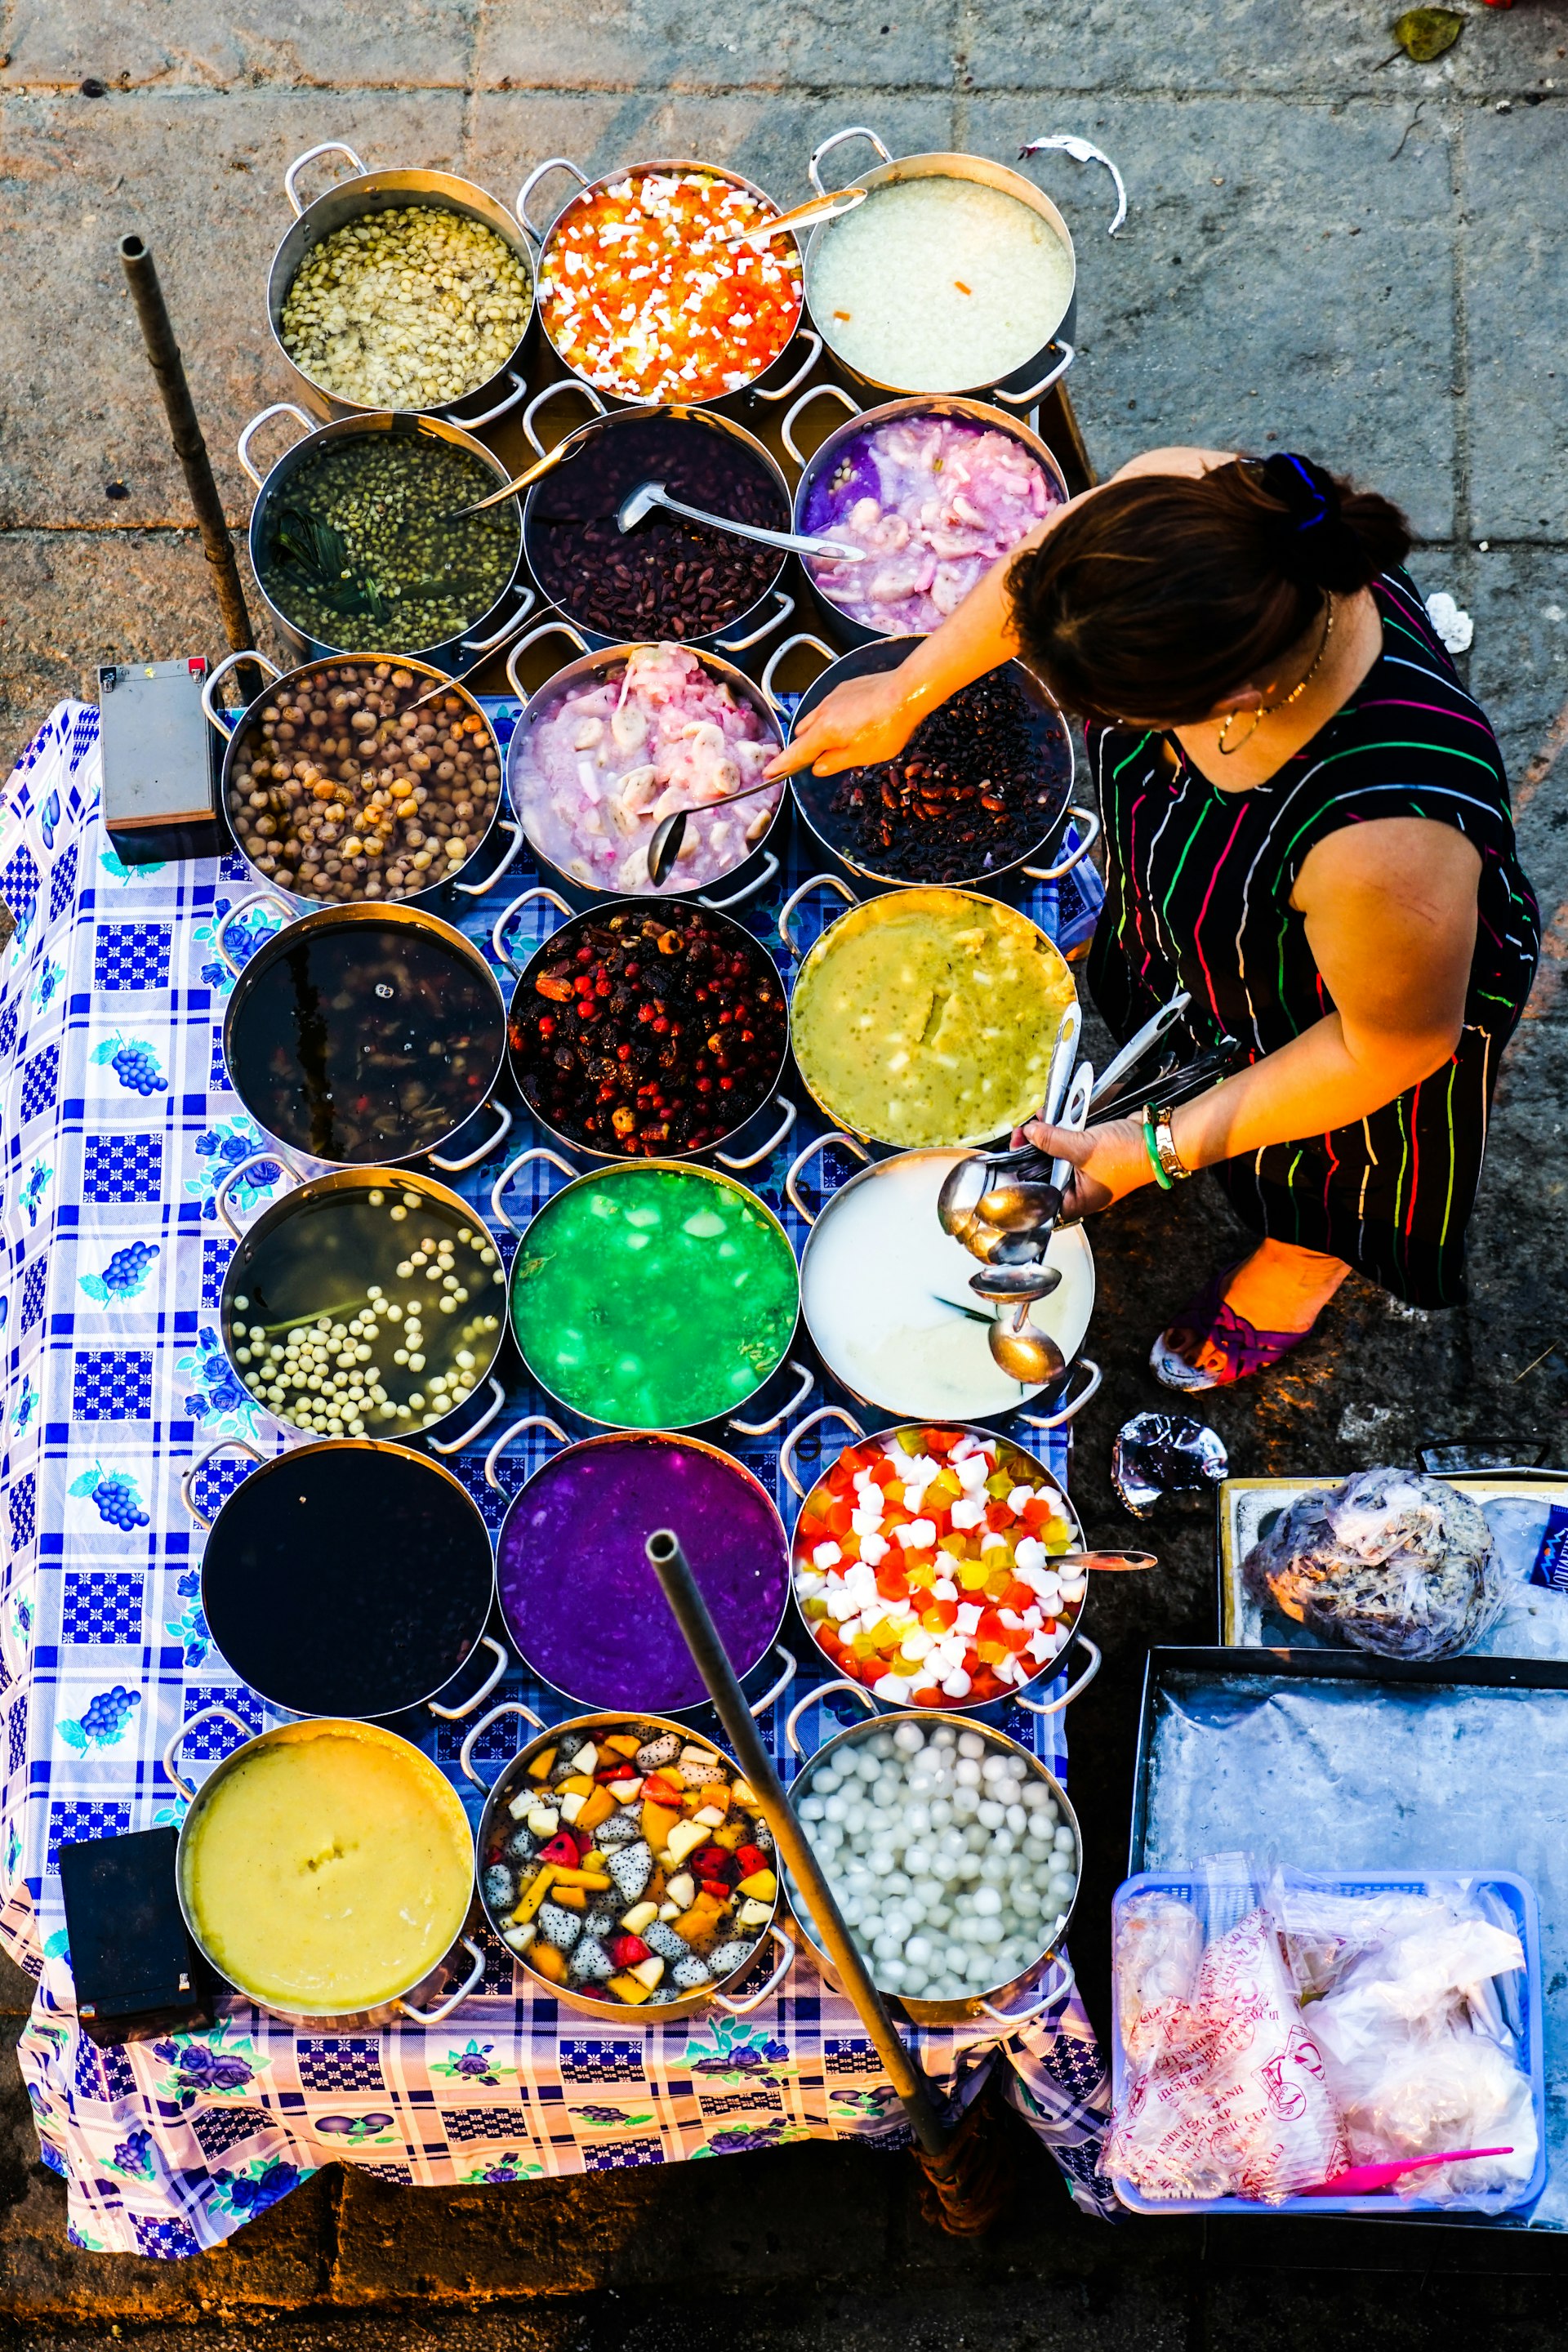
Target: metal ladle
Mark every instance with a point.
(1019, 1347)
(670, 831)
(649, 495)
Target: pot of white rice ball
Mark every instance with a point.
(955, 1856)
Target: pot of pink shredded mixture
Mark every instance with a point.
(620, 741)
(935, 495)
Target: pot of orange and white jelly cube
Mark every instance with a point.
(625, 1863)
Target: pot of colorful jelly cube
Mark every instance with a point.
(623, 1862)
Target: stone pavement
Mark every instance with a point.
(1362, 258)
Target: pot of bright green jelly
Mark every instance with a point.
(656, 1296)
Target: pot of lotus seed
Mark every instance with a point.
(955, 1856)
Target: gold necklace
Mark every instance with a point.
(1267, 711)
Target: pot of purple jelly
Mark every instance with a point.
(579, 1597)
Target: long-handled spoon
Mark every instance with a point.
(649, 495)
(670, 831)
(818, 208)
(1019, 1347)
(531, 474)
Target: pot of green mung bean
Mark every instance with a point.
(405, 290)
(359, 545)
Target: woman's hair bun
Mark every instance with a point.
(1330, 535)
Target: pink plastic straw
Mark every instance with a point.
(1359, 2180)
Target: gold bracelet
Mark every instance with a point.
(1166, 1146)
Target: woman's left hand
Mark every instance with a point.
(1108, 1162)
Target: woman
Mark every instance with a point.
(1307, 827)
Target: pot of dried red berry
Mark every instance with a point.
(977, 794)
(648, 1031)
(625, 1863)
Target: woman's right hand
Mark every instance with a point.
(861, 723)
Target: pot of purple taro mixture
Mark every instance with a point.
(578, 1595)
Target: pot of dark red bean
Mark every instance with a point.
(358, 779)
(666, 577)
(978, 791)
(643, 1031)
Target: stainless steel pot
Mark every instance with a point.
(553, 947)
(1065, 1314)
(497, 1820)
(770, 1655)
(402, 2004)
(486, 633)
(803, 338)
(1069, 1624)
(747, 628)
(290, 1604)
(991, 2001)
(450, 891)
(311, 1197)
(859, 422)
(383, 916)
(760, 866)
(612, 1172)
(1024, 384)
(368, 192)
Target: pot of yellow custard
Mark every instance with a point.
(326, 1869)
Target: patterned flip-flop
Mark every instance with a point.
(1244, 1349)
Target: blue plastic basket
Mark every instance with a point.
(1519, 1992)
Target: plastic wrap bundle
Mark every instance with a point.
(1391, 1560)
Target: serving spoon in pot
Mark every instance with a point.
(670, 831)
(642, 501)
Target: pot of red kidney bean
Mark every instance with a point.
(666, 577)
(647, 1031)
(351, 780)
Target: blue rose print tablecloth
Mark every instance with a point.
(118, 1126)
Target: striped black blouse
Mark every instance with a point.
(1199, 897)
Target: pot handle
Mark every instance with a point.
(503, 407)
(560, 628)
(477, 889)
(791, 1181)
(529, 1420)
(1047, 2000)
(817, 882)
(472, 1158)
(777, 1419)
(1052, 375)
(743, 644)
(535, 1151)
(213, 1713)
(814, 169)
(1069, 1413)
(761, 1706)
(1073, 1690)
(782, 391)
(749, 2001)
(812, 391)
(279, 408)
(767, 871)
(326, 147)
(456, 1445)
(443, 2009)
(257, 1159)
(504, 917)
(539, 172)
(230, 661)
(507, 631)
(257, 898)
(1082, 152)
(550, 392)
(813, 1421)
(458, 1714)
(821, 1691)
(763, 1150)
(224, 1446)
(1090, 820)
(801, 638)
(476, 1731)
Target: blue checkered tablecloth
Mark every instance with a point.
(119, 1125)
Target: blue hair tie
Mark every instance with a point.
(1304, 488)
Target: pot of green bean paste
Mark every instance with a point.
(360, 543)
